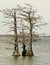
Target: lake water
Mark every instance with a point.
(41, 56)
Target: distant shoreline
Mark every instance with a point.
(6, 35)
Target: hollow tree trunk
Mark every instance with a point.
(16, 49)
(24, 47)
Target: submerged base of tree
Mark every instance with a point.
(29, 53)
(15, 53)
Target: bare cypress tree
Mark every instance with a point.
(27, 13)
(11, 13)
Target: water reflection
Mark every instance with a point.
(22, 61)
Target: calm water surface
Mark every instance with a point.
(41, 51)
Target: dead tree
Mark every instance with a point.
(11, 14)
(28, 14)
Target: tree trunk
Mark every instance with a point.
(30, 51)
(16, 49)
(24, 46)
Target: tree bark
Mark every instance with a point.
(16, 49)
(30, 51)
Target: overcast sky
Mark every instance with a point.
(42, 6)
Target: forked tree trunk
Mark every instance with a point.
(16, 49)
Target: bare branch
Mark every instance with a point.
(40, 25)
(22, 14)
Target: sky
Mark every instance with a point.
(42, 7)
